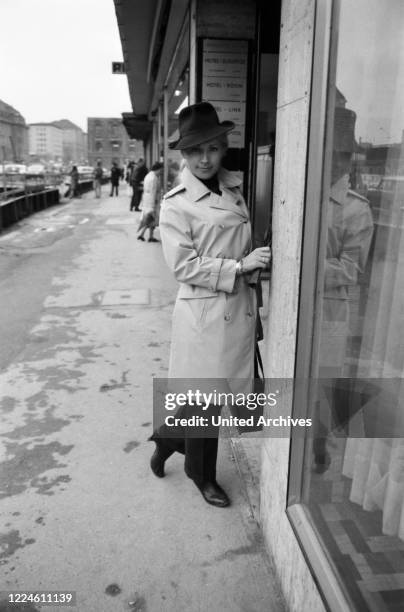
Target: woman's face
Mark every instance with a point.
(204, 160)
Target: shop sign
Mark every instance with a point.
(223, 88)
(225, 64)
(118, 68)
(224, 83)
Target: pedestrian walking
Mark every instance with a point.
(150, 202)
(115, 177)
(129, 170)
(98, 173)
(206, 238)
(74, 183)
(137, 178)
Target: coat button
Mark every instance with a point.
(249, 314)
(227, 317)
(221, 226)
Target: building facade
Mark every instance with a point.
(74, 142)
(315, 88)
(108, 141)
(45, 142)
(13, 135)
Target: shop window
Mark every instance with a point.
(178, 101)
(265, 146)
(270, 18)
(352, 482)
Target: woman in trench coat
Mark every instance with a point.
(206, 238)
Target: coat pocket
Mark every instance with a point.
(190, 292)
(196, 309)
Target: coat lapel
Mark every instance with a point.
(230, 199)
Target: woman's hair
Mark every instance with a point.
(222, 139)
(157, 166)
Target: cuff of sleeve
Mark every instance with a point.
(223, 275)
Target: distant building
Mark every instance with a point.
(45, 141)
(13, 135)
(74, 141)
(108, 141)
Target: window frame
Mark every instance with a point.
(322, 567)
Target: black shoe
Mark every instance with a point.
(159, 457)
(321, 463)
(140, 238)
(153, 240)
(213, 494)
(137, 209)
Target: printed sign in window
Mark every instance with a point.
(224, 83)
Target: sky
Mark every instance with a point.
(55, 60)
(370, 68)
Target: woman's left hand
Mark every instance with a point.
(259, 258)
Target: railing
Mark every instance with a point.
(15, 184)
(24, 194)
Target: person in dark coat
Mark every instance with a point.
(74, 183)
(115, 176)
(138, 175)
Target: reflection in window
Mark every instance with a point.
(354, 468)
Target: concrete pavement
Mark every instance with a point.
(80, 509)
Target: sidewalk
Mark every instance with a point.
(81, 509)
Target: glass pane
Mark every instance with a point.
(265, 148)
(354, 477)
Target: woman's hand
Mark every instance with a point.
(259, 258)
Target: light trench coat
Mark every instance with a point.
(151, 193)
(350, 230)
(213, 329)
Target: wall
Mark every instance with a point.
(45, 141)
(105, 132)
(13, 135)
(13, 142)
(295, 64)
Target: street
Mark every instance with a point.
(86, 311)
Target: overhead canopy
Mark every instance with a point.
(149, 31)
(136, 23)
(137, 126)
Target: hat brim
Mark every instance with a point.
(200, 137)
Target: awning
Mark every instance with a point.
(137, 126)
(136, 22)
(149, 31)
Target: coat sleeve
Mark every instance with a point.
(182, 256)
(357, 234)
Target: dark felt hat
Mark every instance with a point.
(197, 124)
(344, 130)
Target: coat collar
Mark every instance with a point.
(197, 190)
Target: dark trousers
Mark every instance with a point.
(136, 197)
(200, 453)
(114, 186)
